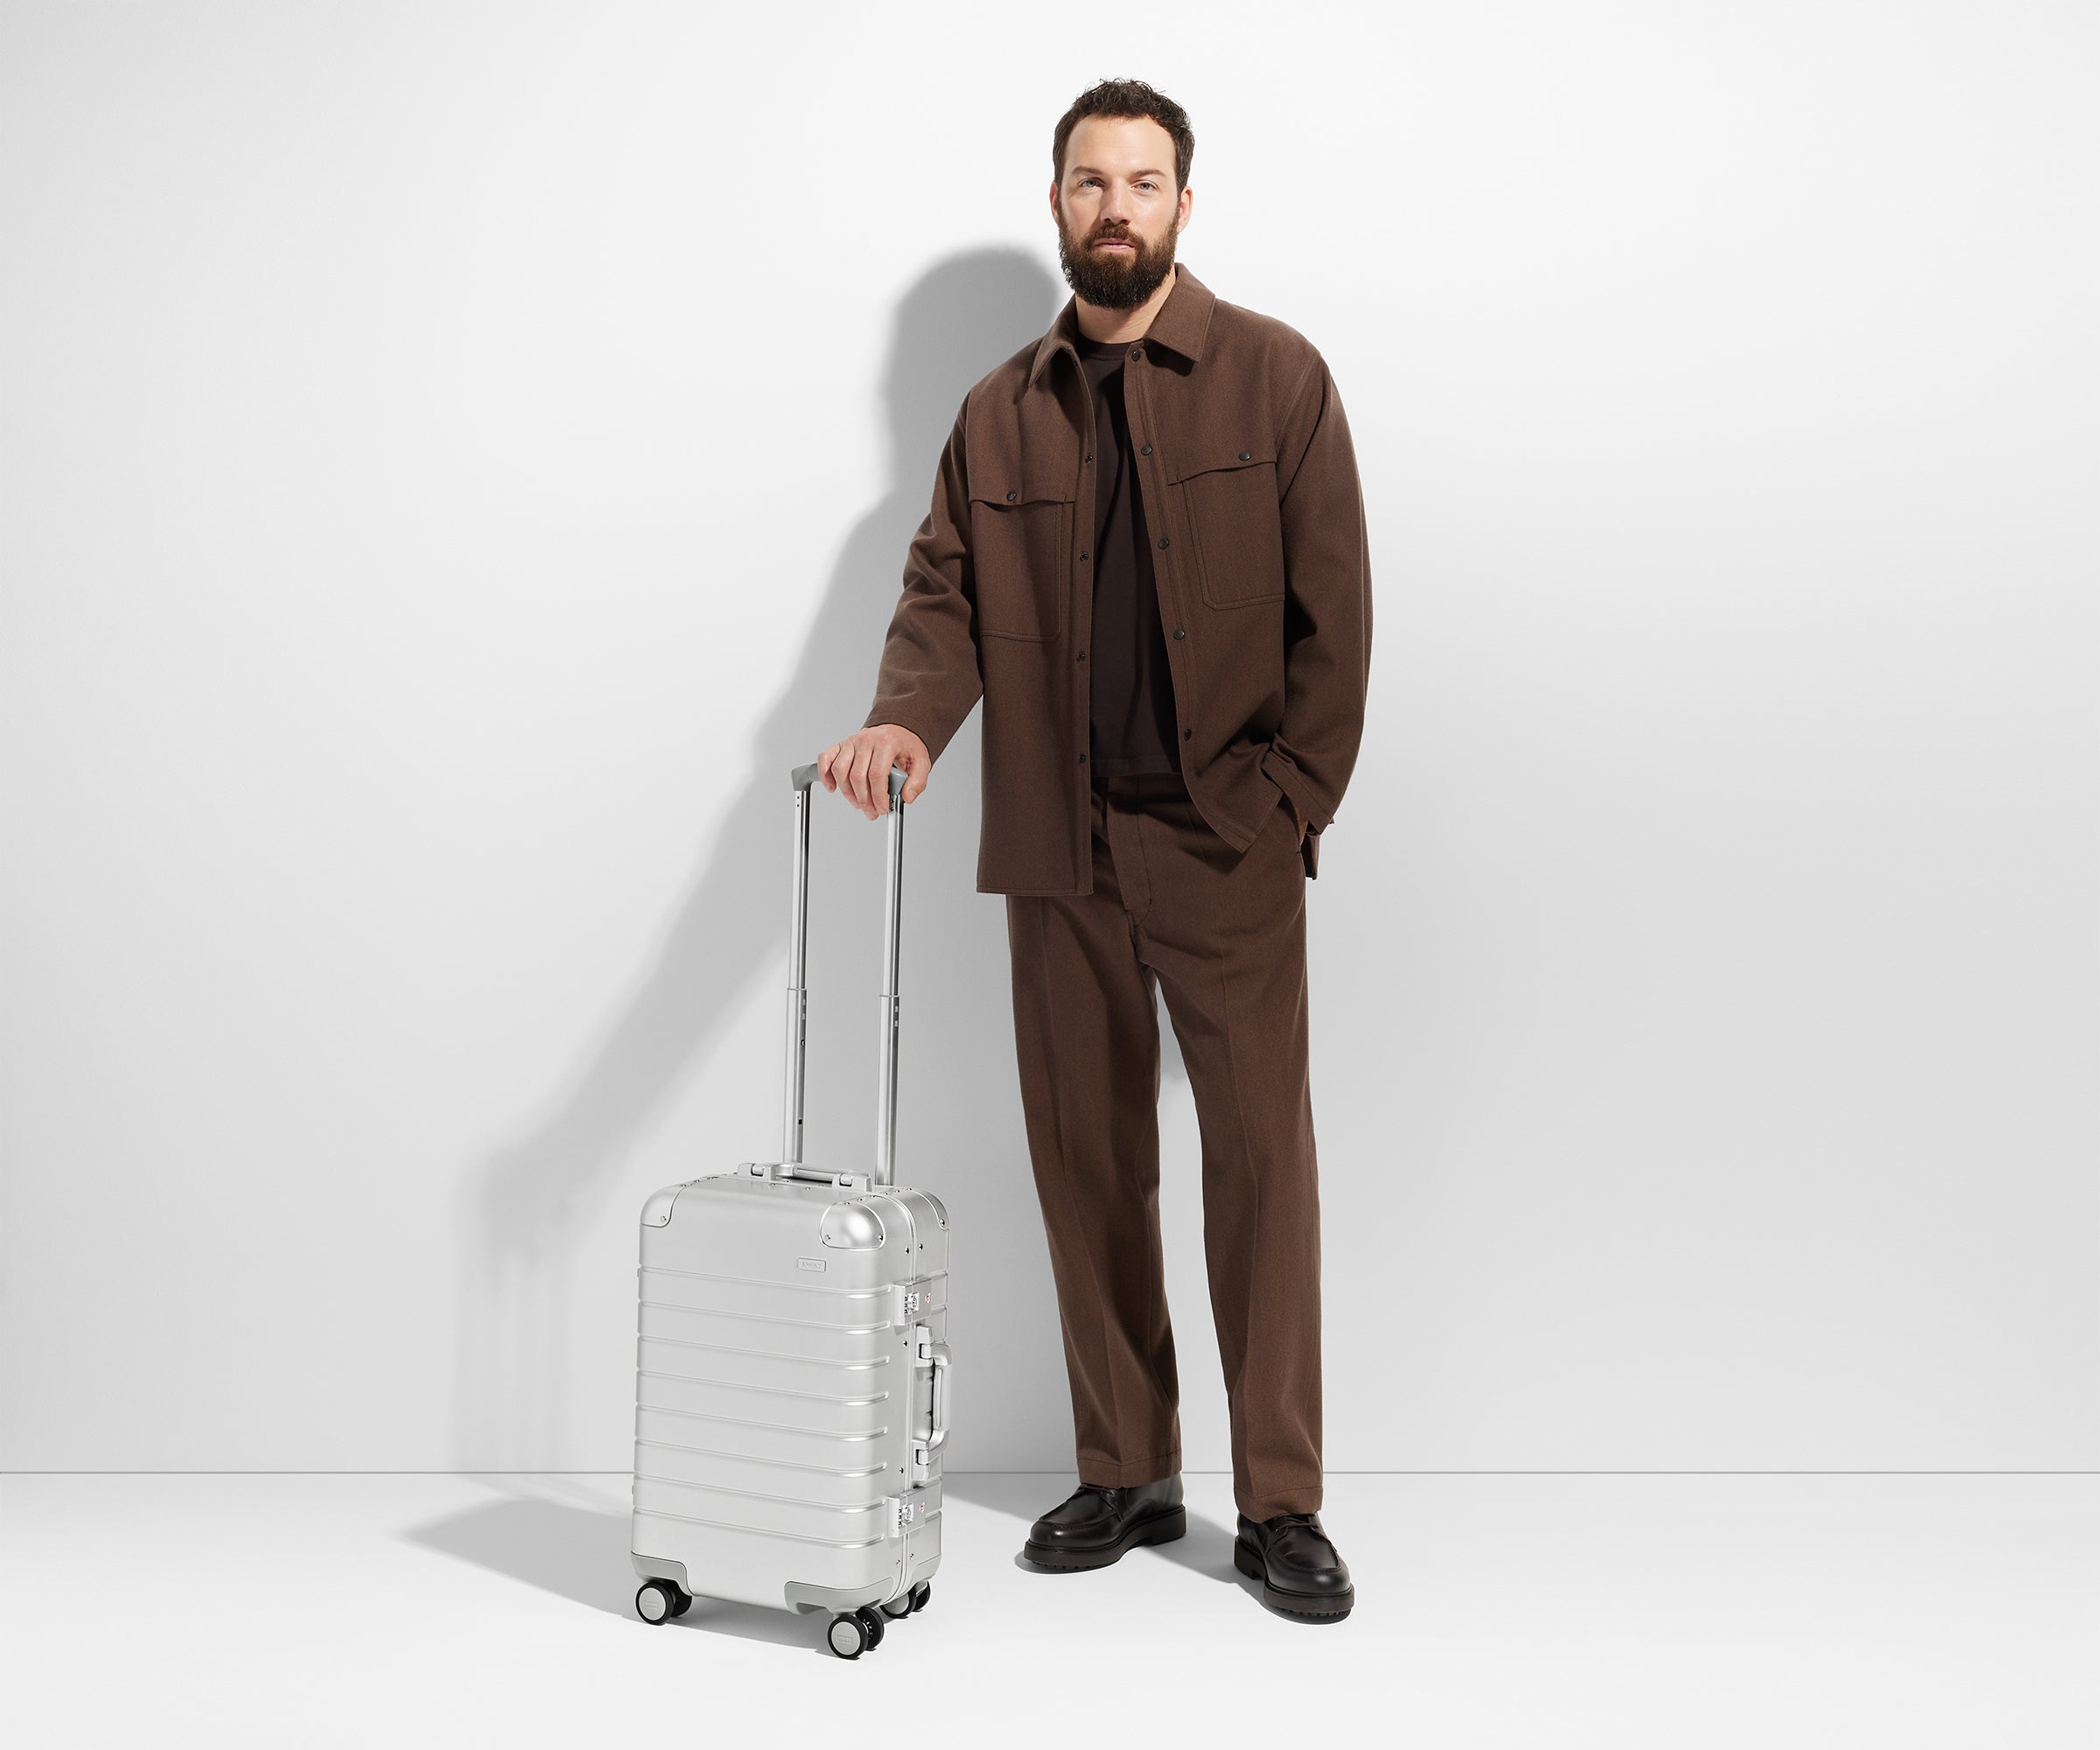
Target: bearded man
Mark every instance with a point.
(1146, 554)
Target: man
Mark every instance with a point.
(1146, 554)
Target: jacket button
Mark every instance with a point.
(1180, 633)
(1185, 735)
(1089, 458)
(1012, 496)
(1083, 759)
(1145, 450)
(1163, 540)
(1082, 655)
(1083, 556)
(1137, 351)
(1246, 455)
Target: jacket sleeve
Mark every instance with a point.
(1327, 604)
(929, 680)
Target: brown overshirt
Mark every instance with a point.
(1259, 554)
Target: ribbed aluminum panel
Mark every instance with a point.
(783, 1405)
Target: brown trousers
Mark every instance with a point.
(1224, 932)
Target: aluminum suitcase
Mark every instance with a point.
(792, 1364)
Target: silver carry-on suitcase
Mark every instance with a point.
(792, 1367)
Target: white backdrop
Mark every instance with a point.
(457, 459)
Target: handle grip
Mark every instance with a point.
(938, 1362)
(801, 778)
(943, 1362)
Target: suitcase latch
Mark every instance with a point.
(908, 1511)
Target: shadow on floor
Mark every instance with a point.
(581, 1554)
(1205, 1550)
(1019, 1494)
(1022, 1495)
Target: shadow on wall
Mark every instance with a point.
(526, 1206)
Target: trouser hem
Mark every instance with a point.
(1260, 1507)
(1131, 1473)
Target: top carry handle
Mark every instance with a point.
(798, 994)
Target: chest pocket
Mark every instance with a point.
(1228, 489)
(1020, 544)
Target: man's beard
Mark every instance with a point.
(1114, 282)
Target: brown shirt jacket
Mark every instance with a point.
(1255, 516)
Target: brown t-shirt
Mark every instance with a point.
(1131, 688)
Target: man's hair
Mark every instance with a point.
(1122, 98)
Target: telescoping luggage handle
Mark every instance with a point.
(798, 994)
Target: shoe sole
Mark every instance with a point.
(1321, 1608)
(1158, 1528)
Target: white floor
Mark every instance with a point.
(1545, 1612)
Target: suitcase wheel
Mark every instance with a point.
(908, 1604)
(870, 1620)
(658, 1600)
(847, 1636)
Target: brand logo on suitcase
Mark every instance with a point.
(808, 1264)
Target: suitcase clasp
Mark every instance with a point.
(907, 1511)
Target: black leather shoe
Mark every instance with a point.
(1301, 1572)
(1095, 1526)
